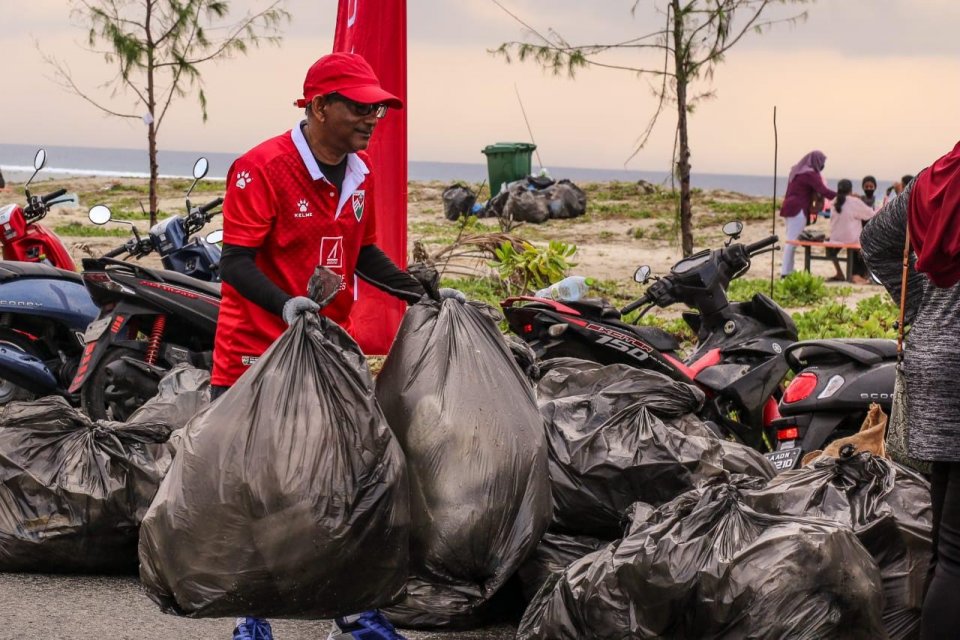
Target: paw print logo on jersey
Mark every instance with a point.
(303, 210)
(243, 179)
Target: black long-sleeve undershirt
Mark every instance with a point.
(239, 269)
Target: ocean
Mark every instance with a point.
(16, 163)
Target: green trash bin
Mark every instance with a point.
(506, 162)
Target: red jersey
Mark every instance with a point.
(278, 202)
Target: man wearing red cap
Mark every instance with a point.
(302, 199)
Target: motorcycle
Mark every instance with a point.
(23, 238)
(836, 381)
(738, 360)
(44, 307)
(150, 319)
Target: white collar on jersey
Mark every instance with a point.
(356, 168)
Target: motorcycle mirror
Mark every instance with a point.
(733, 228)
(38, 161)
(100, 214)
(215, 237)
(642, 274)
(200, 168)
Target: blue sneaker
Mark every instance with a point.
(252, 629)
(370, 625)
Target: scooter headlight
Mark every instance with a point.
(833, 385)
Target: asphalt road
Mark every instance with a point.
(42, 607)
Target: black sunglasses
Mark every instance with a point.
(360, 109)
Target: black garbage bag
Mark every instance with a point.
(467, 421)
(609, 448)
(888, 508)
(565, 200)
(708, 566)
(525, 205)
(615, 387)
(288, 496)
(458, 200)
(181, 394)
(73, 492)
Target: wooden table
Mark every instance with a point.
(847, 247)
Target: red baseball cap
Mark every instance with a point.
(349, 75)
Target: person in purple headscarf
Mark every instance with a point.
(803, 186)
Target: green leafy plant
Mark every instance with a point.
(532, 267)
(799, 289)
(873, 317)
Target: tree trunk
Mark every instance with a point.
(154, 170)
(151, 110)
(683, 145)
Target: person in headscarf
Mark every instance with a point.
(803, 184)
(930, 207)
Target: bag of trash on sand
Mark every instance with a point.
(458, 200)
(72, 491)
(181, 394)
(565, 200)
(467, 421)
(288, 496)
(888, 508)
(707, 566)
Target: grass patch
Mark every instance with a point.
(873, 317)
(799, 289)
(76, 229)
(749, 210)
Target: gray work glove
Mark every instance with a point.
(295, 307)
(446, 292)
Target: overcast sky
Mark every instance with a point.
(875, 84)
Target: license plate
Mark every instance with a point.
(785, 459)
(95, 329)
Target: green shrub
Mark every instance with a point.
(76, 229)
(873, 317)
(532, 267)
(799, 289)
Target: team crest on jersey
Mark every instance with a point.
(357, 201)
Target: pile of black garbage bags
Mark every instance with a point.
(533, 199)
(586, 501)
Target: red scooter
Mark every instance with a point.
(23, 238)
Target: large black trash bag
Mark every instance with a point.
(458, 200)
(609, 448)
(616, 386)
(565, 200)
(886, 505)
(708, 566)
(73, 492)
(288, 496)
(181, 394)
(467, 421)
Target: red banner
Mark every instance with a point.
(377, 30)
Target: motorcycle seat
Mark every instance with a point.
(595, 308)
(866, 351)
(13, 269)
(174, 277)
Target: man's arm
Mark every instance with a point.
(239, 269)
(375, 267)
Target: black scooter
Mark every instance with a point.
(738, 360)
(150, 319)
(836, 381)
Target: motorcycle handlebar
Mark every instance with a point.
(761, 244)
(210, 205)
(636, 304)
(52, 196)
(113, 253)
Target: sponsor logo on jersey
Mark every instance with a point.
(331, 252)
